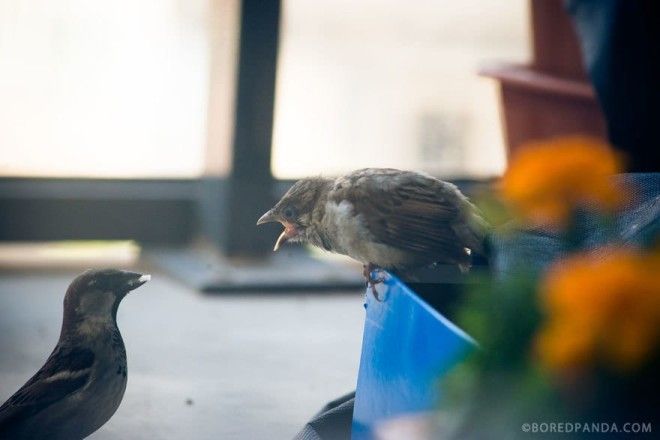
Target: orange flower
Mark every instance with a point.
(601, 307)
(546, 180)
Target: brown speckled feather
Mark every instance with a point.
(413, 212)
(387, 218)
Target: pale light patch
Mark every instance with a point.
(93, 325)
(62, 375)
(345, 224)
(341, 213)
(354, 238)
(96, 309)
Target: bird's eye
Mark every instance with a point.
(289, 212)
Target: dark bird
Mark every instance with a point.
(83, 381)
(383, 218)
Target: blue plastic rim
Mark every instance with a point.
(407, 346)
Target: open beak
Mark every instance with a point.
(289, 232)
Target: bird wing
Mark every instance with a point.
(411, 211)
(67, 370)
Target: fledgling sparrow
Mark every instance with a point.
(383, 218)
(83, 381)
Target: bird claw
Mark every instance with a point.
(369, 269)
(374, 291)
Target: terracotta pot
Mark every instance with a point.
(551, 95)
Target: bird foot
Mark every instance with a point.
(368, 270)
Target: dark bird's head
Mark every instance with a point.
(96, 294)
(295, 209)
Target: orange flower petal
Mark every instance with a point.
(546, 180)
(601, 306)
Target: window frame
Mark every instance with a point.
(158, 212)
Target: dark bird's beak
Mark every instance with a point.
(268, 217)
(132, 280)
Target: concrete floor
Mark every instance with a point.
(254, 367)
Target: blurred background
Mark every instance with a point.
(152, 134)
(146, 89)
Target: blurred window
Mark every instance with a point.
(106, 89)
(393, 83)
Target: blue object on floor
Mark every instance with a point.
(407, 346)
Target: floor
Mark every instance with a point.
(200, 366)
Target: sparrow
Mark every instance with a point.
(384, 218)
(83, 381)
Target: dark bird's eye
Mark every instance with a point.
(289, 212)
